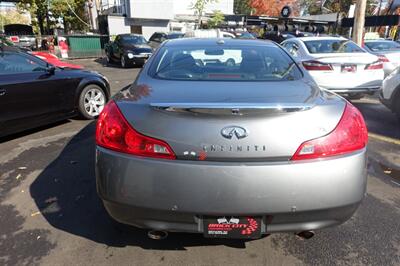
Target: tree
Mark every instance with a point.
(38, 11)
(273, 7)
(12, 17)
(73, 13)
(310, 7)
(216, 20)
(44, 13)
(199, 6)
(242, 7)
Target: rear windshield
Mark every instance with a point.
(383, 46)
(245, 63)
(133, 39)
(332, 46)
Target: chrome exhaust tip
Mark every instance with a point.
(157, 235)
(305, 234)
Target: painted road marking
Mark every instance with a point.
(394, 182)
(383, 138)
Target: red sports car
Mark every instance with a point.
(54, 60)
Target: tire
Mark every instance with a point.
(396, 108)
(91, 101)
(124, 63)
(109, 58)
(230, 62)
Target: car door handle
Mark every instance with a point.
(2, 92)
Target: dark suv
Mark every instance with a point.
(158, 37)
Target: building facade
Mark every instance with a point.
(148, 16)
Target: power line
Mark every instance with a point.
(76, 15)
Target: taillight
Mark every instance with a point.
(349, 135)
(14, 39)
(374, 65)
(383, 58)
(317, 65)
(114, 132)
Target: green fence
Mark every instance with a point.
(84, 46)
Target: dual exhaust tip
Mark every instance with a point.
(305, 234)
(160, 235)
(157, 234)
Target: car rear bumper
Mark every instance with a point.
(368, 82)
(355, 90)
(137, 60)
(174, 195)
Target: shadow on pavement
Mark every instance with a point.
(379, 119)
(103, 61)
(65, 193)
(32, 131)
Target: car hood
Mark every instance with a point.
(136, 46)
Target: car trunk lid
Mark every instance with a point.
(230, 121)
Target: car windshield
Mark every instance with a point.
(332, 46)
(175, 35)
(134, 39)
(382, 46)
(243, 63)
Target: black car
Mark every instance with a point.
(128, 49)
(158, 37)
(34, 93)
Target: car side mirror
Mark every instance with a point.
(51, 70)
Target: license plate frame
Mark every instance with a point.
(231, 227)
(348, 68)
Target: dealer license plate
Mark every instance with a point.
(232, 227)
(346, 68)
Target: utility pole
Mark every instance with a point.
(359, 19)
(47, 18)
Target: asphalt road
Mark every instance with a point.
(50, 213)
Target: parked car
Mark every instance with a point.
(158, 37)
(338, 64)
(21, 35)
(211, 33)
(387, 51)
(34, 93)
(243, 35)
(390, 94)
(54, 60)
(4, 41)
(229, 151)
(128, 50)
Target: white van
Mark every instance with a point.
(214, 33)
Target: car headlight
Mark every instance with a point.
(130, 55)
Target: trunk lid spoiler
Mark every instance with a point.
(232, 108)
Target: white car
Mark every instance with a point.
(387, 51)
(338, 64)
(390, 95)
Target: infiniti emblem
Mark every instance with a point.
(229, 132)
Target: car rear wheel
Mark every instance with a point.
(91, 101)
(396, 108)
(109, 58)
